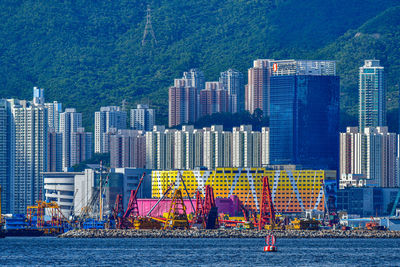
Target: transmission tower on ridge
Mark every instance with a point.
(148, 28)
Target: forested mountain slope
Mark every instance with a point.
(88, 53)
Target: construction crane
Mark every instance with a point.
(393, 212)
(118, 211)
(267, 211)
(132, 211)
(210, 209)
(177, 217)
(206, 212)
(57, 219)
(199, 216)
(330, 211)
(161, 199)
(95, 201)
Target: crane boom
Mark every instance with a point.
(132, 205)
(161, 199)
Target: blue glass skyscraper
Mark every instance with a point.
(304, 114)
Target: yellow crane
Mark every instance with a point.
(56, 217)
(177, 217)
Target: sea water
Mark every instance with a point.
(49, 251)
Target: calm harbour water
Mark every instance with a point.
(197, 252)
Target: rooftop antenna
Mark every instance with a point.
(148, 28)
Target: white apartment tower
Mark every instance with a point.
(155, 148)
(242, 146)
(372, 95)
(198, 139)
(372, 154)
(264, 146)
(142, 118)
(27, 151)
(53, 110)
(4, 158)
(70, 121)
(184, 148)
(214, 147)
(169, 136)
(105, 119)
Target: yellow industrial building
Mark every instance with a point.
(292, 190)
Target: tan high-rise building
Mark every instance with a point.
(183, 102)
(128, 149)
(257, 89)
(213, 99)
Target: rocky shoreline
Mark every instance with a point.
(227, 233)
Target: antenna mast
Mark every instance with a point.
(148, 28)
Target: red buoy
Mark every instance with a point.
(270, 249)
(270, 244)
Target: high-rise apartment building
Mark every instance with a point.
(257, 89)
(194, 78)
(128, 149)
(38, 96)
(54, 151)
(217, 147)
(105, 119)
(242, 146)
(372, 95)
(4, 158)
(350, 151)
(184, 148)
(371, 154)
(210, 147)
(53, 110)
(142, 118)
(27, 124)
(183, 103)
(155, 148)
(264, 146)
(232, 81)
(304, 113)
(70, 121)
(214, 98)
(169, 135)
(81, 146)
(198, 139)
(247, 147)
(184, 98)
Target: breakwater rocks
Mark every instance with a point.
(227, 233)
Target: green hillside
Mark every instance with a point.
(88, 53)
(378, 38)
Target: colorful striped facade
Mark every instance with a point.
(292, 191)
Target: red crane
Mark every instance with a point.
(210, 210)
(206, 212)
(199, 216)
(133, 209)
(267, 211)
(118, 211)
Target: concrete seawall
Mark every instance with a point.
(225, 233)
